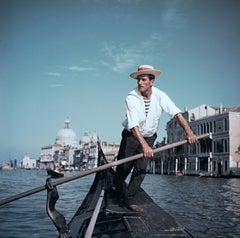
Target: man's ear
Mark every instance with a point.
(152, 81)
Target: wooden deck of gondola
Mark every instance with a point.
(115, 221)
(152, 221)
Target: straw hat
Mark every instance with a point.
(145, 69)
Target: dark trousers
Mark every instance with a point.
(130, 146)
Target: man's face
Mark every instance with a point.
(144, 83)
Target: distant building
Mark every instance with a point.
(85, 156)
(28, 163)
(217, 157)
(67, 152)
(61, 152)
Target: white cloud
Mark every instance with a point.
(53, 74)
(79, 68)
(173, 18)
(122, 58)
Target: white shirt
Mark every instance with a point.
(135, 111)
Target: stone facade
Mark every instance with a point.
(217, 157)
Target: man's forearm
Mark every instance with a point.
(183, 123)
(139, 136)
(147, 150)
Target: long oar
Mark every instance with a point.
(95, 170)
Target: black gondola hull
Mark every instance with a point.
(115, 221)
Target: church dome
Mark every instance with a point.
(86, 138)
(66, 136)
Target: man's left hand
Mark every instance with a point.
(191, 139)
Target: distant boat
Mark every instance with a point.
(206, 174)
(6, 167)
(54, 173)
(179, 173)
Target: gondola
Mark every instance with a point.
(54, 173)
(100, 216)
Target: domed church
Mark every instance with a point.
(66, 136)
(67, 151)
(62, 151)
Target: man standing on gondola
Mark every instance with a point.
(144, 106)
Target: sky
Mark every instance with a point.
(72, 59)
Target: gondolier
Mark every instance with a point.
(144, 106)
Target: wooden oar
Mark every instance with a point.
(95, 170)
(93, 220)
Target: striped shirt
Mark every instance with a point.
(147, 105)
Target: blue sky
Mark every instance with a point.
(63, 58)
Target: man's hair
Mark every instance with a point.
(151, 76)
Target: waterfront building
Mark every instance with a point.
(85, 157)
(67, 152)
(28, 163)
(217, 157)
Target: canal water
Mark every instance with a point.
(208, 207)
